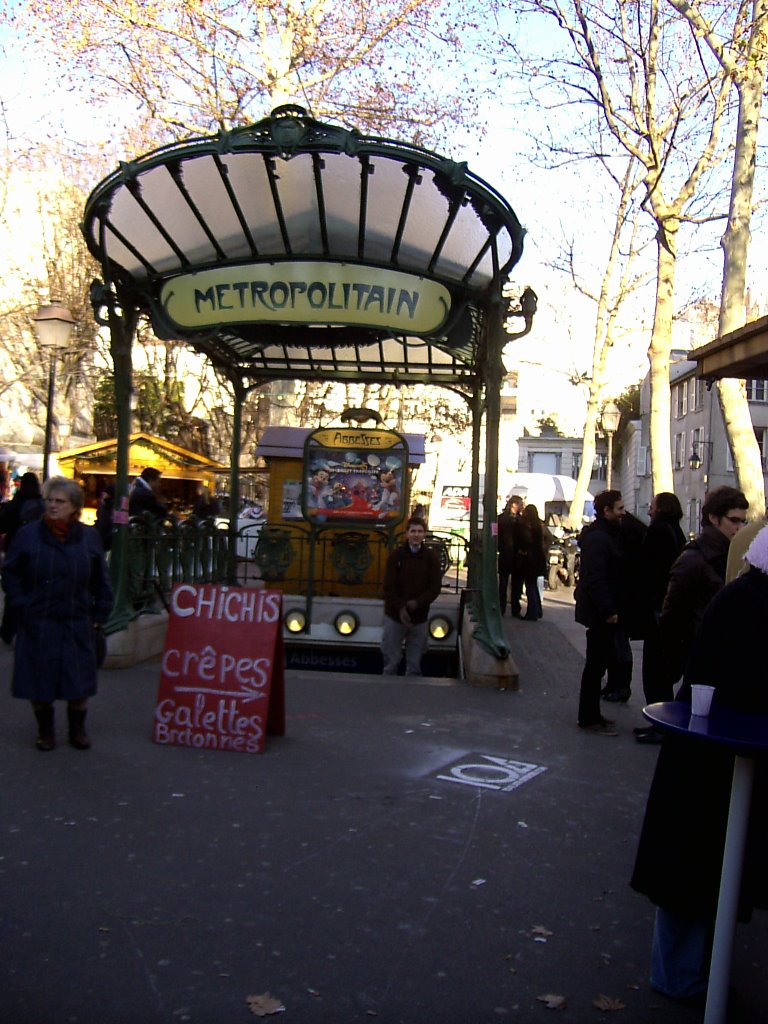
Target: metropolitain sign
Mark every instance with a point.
(306, 292)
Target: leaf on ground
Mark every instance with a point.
(264, 1005)
(603, 1002)
(539, 929)
(552, 1001)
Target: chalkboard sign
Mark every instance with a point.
(222, 682)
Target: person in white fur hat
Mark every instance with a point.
(680, 851)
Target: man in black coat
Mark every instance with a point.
(143, 495)
(598, 600)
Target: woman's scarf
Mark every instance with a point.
(59, 528)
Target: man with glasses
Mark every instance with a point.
(698, 574)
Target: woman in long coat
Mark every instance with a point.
(680, 853)
(55, 578)
(530, 558)
(25, 506)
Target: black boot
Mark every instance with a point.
(77, 734)
(46, 737)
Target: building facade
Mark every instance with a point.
(701, 455)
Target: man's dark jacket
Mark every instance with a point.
(411, 576)
(142, 499)
(599, 590)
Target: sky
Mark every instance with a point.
(553, 205)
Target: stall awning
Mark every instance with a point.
(742, 353)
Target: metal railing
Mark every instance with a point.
(161, 553)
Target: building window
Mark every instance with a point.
(544, 462)
(599, 466)
(761, 433)
(695, 394)
(694, 516)
(681, 400)
(697, 437)
(757, 390)
(679, 452)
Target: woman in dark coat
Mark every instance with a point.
(24, 507)
(530, 558)
(680, 852)
(55, 578)
(663, 542)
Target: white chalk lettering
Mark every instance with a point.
(222, 727)
(225, 604)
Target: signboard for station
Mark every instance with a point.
(222, 683)
(355, 475)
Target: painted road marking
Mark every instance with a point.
(487, 772)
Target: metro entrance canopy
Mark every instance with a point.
(293, 249)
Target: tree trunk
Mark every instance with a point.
(658, 355)
(576, 510)
(735, 243)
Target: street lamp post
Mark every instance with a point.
(53, 326)
(695, 460)
(610, 421)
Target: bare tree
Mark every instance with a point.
(737, 37)
(201, 65)
(47, 261)
(618, 282)
(655, 99)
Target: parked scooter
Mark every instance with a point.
(563, 561)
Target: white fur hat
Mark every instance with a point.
(757, 552)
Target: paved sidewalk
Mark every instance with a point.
(411, 851)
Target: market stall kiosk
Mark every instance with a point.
(95, 467)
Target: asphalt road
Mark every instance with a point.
(410, 851)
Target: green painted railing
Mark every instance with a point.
(161, 553)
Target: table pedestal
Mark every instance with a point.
(730, 886)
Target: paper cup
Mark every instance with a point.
(701, 699)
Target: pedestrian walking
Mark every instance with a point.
(530, 558)
(598, 607)
(510, 584)
(661, 546)
(26, 506)
(104, 516)
(618, 687)
(56, 576)
(412, 581)
(143, 496)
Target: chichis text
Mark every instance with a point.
(223, 604)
